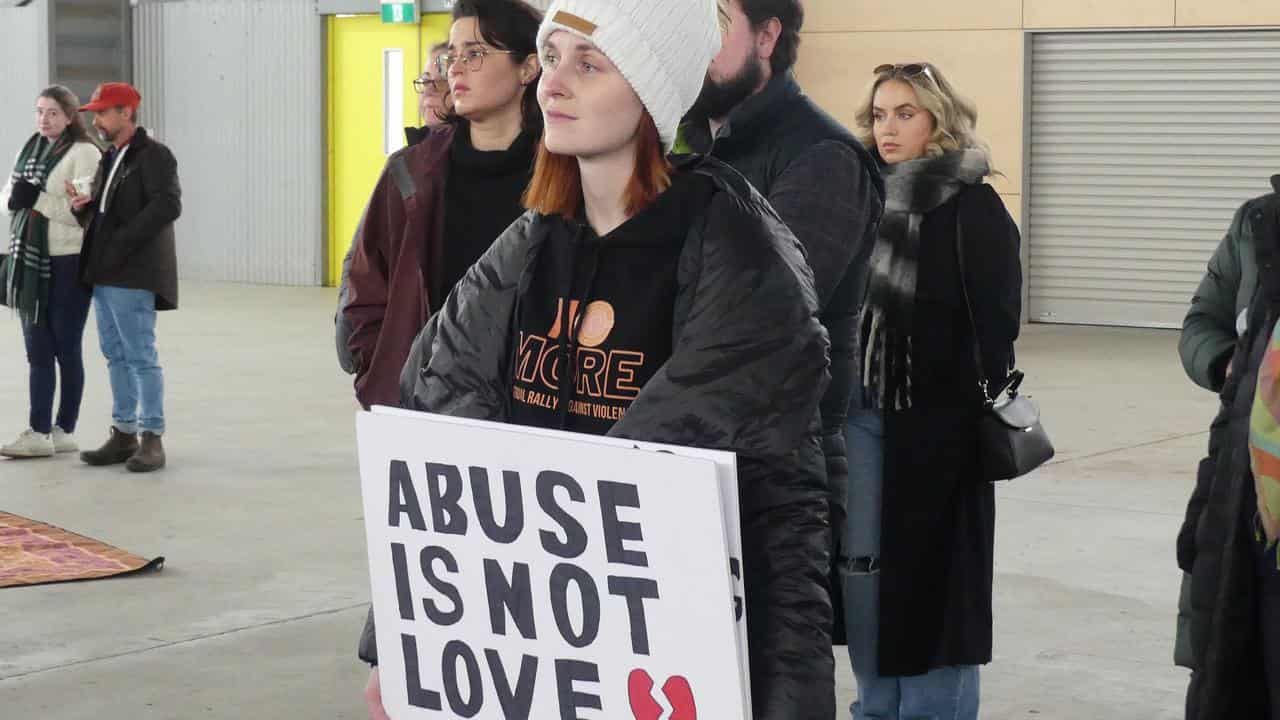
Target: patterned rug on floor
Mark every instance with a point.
(33, 553)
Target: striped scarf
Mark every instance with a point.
(27, 269)
(913, 188)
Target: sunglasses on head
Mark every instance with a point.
(906, 70)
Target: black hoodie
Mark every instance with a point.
(620, 292)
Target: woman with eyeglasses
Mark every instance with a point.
(919, 539)
(434, 102)
(440, 204)
(434, 107)
(665, 302)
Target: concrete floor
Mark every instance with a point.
(257, 611)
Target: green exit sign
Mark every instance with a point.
(398, 11)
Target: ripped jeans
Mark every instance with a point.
(949, 693)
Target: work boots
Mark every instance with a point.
(150, 455)
(119, 448)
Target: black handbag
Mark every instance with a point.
(1011, 440)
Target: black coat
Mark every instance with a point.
(827, 188)
(747, 369)
(938, 513)
(1225, 634)
(132, 245)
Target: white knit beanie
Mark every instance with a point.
(662, 47)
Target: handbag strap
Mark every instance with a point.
(983, 381)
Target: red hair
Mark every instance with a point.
(556, 188)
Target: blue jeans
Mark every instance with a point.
(127, 334)
(949, 693)
(54, 348)
(864, 440)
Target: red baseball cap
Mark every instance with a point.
(113, 95)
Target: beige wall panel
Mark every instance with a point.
(986, 65)
(866, 15)
(1098, 13)
(1228, 12)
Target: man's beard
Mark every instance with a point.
(717, 100)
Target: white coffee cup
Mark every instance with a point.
(82, 185)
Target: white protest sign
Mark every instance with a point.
(727, 475)
(532, 575)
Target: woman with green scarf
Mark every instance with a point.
(40, 267)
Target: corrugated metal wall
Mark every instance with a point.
(90, 43)
(235, 88)
(24, 72)
(1143, 144)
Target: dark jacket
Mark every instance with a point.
(397, 246)
(1225, 634)
(747, 369)
(938, 514)
(1209, 329)
(1183, 654)
(1209, 336)
(827, 188)
(342, 326)
(415, 135)
(132, 244)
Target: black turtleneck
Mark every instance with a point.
(481, 199)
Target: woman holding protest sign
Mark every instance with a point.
(441, 202)
(655, 301)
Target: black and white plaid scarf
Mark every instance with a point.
(913, 188)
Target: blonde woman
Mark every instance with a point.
(918, 544)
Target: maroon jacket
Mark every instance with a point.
(396, 259)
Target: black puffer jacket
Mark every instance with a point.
(747, 370)
(827, 188)
(1225, 635)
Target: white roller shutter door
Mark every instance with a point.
(1143, 144)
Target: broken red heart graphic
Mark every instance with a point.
(676, 689)
(681, 696)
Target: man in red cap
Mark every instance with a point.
(130, 261)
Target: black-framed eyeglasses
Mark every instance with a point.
(471, 59)
(906, 70)
(429, 86)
